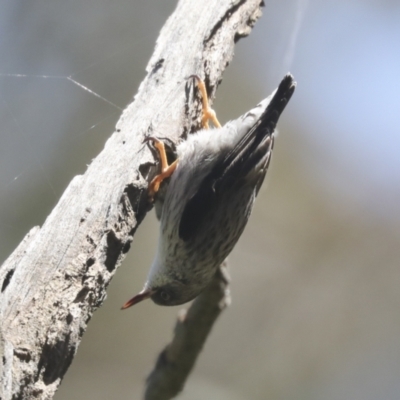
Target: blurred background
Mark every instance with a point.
(315, 276)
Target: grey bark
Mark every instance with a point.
(57, 277)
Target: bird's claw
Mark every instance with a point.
(166, 169)
(208, 112)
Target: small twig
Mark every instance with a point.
(192, 328)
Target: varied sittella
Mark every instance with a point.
(213, 184)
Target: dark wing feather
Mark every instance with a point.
(236, 164)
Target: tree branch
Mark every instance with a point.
(192, 328)
(58, 275)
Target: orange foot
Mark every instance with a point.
(166, 170)
(208, 112)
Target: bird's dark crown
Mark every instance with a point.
(174, 294)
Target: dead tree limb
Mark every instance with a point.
(57, 277)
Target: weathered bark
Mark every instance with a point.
(58, 275)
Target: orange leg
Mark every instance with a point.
(208, 112)
(166, 170)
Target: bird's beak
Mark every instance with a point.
(143, 295)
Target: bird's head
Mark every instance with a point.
(173, 293)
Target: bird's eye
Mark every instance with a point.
(164, 295)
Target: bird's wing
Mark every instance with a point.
(236, 164)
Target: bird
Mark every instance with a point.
(212, 188)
